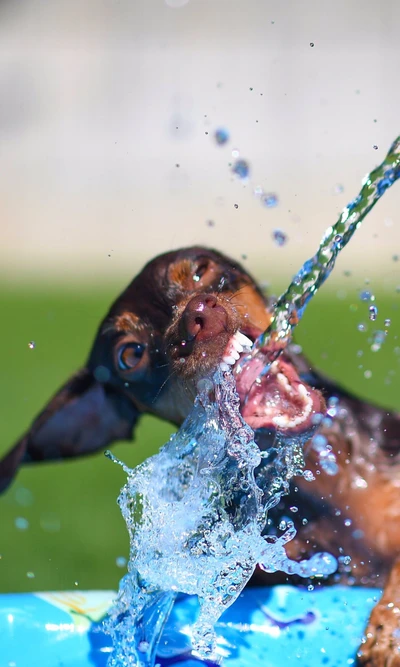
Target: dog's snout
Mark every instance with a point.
(203, 318)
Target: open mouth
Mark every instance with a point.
(278, 400)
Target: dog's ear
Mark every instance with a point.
(84, 416)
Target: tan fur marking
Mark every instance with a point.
(248, 300)
(124, 323)
(180, 271)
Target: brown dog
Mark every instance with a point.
(184, 314)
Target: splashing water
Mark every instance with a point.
(196, 511)
(195, 515)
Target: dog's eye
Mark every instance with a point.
(200, 271)
(129, 355)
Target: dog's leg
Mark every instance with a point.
(381, 644)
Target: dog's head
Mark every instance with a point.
(185, 313)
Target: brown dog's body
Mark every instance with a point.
(175, 323)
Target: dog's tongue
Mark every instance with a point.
(278, 400)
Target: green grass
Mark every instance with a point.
(75, 530)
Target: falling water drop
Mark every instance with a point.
(373, 313)
(221, 136)
(241, 168)
(21, 523)
(270, 200)
(365, 295)
(279, 237)
(32, 345)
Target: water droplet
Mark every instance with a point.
(304, 522)
(388, 322)
(282, 525)
(50, 522)
(368, 375)
(210, 223)
(310, 588)
(346, 560)
(236, 205)
(373, 312)
(365, 295)
(241, 168)
(362, 327)
(30, 575)
(338, 189)
(348, 522)
(308, 476)
(221, 136)
(294, 509)
(21, 523)
(143, 646)
(244, 256)
(312, 44)
(338, 240)
(101, 374)
(319, 442)
(395, 258)
(329, 465)
(377, 339)
(375, 147)
(32, 345)
(270, 200)
(279, 237)
(120, 561)
(235, 153)
(24, 496)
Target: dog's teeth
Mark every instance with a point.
(234, 354)
(281, 421)
(243, 340)
(283, 381)
(302, 391)
(224, 367)
(228, 360)
(236, 345)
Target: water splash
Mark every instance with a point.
(195, 513)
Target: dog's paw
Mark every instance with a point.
(381, 644)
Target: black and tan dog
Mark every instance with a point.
(185, 313)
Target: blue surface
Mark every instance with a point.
(266, 627)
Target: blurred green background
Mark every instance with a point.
(60, 525)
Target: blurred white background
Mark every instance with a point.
(100, 100)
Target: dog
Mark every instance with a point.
(186, 312)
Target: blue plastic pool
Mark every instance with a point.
(266, 627)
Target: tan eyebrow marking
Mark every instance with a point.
(180, 271)
(124, 323)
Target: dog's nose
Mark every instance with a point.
(203, 318)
